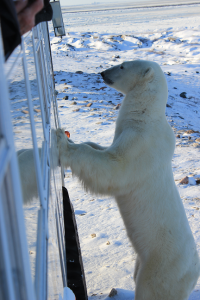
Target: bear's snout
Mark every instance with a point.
(105, 77)
(102, 74)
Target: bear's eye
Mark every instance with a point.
(121, 67)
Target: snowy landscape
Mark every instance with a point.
(98, 37)
(96, 40)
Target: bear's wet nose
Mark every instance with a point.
(102, 74)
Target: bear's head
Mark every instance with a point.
(137, 74)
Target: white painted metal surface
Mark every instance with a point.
(58, 25)
(37, 269)
(15, 272)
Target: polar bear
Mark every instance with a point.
(27, 174)
(27, 168)
(136, 169)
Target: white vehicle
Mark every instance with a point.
(39, 249)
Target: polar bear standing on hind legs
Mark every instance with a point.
(136, 169)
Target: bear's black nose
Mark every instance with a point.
(102, 74)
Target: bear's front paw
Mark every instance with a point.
(62, 140)
(62, 143)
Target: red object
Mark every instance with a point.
(67, 134)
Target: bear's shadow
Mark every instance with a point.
(121, 295)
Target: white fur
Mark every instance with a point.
(27, 174)
(27, 169)
(136, 169)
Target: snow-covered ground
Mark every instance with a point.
(94, 41)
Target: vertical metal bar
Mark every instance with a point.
(42, 68)
(6, 130)
(33, 132)
(41, 96)
(40, 262)
(5, 157)
(60, 242)
(5, 251)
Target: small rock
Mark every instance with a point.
(197, 72)
(74, 98)
(185, 180)
(63, 79)
(175, 88)
(25, 111)
(73, 103)
(77, 109)
(84, 96)
(197, 140)
(168, 73)
(112, 293)
(167, 105)
(37, 110)
(79, 72)
(89, 104)
(56, 92)
(66, 98)
(191, 131)
(178, 136)
(117, 106)
(183, 95)
(108, 243)
(197, 208)
(196, 145)
(93, 235)
(188, 180)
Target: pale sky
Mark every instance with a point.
(78, 2)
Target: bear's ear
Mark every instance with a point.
(148, 73)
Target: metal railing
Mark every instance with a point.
(28, 266)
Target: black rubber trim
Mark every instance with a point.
(75, 271)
